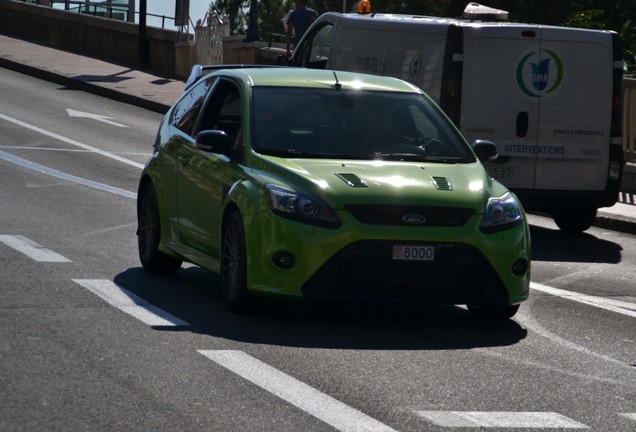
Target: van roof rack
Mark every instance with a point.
(198, 70)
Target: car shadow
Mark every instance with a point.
(555, 245)
(193, 295)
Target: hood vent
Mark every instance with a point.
(351, 179)
(442, 183)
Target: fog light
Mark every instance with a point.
(519, 267)
(284, 260)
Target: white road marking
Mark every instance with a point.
(71, 141)
(630, 416)
(603, 375)
(130, 303)
(59, 174)
(331, 411)
(100, 118)
(500, 419)
(67, 150)
(32, 249)
(621, 307)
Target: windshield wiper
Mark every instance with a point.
(394, 157)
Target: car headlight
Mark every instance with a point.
(501, 213)
(301, 206)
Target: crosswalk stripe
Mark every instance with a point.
(32, 249)
(130, 303)
(331, 411)
(500, 419)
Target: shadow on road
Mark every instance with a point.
(194, 296)
(555, 245)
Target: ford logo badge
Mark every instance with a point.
(414, 219)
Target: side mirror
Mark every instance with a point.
(486, 150)
(214, 141)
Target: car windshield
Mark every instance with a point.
(351, 124)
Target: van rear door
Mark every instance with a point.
(498, 100)
(410, 49)
(575, 103)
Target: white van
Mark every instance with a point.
(548, 97)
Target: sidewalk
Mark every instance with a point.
(91, 75)
(156, 93)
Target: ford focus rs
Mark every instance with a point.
(323, 184)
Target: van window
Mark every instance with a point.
(313, 52)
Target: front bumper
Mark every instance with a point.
(355, 261)
(365, 269)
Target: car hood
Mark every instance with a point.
(346, 182)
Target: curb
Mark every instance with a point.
(73, 83)
(615, 223)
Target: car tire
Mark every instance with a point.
(234, 264)
(575, 220)
(149, 235)
(493, 312)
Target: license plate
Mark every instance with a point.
(501, 171)
(413, 253)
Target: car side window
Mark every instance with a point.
(223, 111)
(314, 50)
(186, 111)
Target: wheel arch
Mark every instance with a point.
(148, 180)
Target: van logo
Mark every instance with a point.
(414, 219)
(539, 73)
(416, 66)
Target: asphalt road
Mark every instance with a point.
(89, 341)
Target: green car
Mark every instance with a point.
(313, 183)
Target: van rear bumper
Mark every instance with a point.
(547, 200)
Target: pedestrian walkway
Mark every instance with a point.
(108, 79)
(130, 85)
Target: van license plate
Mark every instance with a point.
(501, 171)
(413, 253)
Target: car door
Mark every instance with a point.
(500, 102)
(204, 178)
(177, 133)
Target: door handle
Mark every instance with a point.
(183, 160)
(522, 124)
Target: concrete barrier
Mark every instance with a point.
(99, 37)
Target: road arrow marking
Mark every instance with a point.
(100, 118)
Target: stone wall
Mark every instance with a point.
(100, 37)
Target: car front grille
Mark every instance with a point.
(460, 274)
(433, 216)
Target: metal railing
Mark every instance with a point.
(279, 36)
(100, 9)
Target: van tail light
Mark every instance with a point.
(451, 92)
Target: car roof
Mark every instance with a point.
(315, 78)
